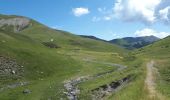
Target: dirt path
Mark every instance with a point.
(150, 82)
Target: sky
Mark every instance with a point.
(106, 19)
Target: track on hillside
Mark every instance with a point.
(150, 81)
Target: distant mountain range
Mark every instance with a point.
(129, 42)
(92, 37)
(134, 42)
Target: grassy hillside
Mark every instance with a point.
(40, 63)
(138, 90)
(157, 50)
(41, 33)
(44, 58)
(160, 52)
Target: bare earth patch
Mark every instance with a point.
(150, 82)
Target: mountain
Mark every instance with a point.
(159, 49)
(92, 37)
(134, 42)
(129, 42)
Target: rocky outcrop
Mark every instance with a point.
(9, 68)
(72, 88)
(14, 24)
(100, 92)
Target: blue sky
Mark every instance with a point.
(102, 18)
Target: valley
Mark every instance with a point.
(41, 63)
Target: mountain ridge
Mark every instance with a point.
(128, 42)
(135, 42)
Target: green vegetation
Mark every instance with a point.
(50, 57)
(159, 52)
(47, 68)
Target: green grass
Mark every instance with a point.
(135, 89)
(159, 52)
(67, 40)
(76, 57)
(163, 79)
(57, 65)
(35, 57)
(132, 90)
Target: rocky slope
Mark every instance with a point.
(15, 24)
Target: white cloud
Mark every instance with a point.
(136, 10)
(149, 32)
(105, 15)
(165, 14)
(80, 11)
(145, 11)
(102, 18)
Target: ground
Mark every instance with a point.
(150, 82)
(57, 65)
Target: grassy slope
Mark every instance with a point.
(159, 51)
(67, 40)
(136, 90)
(68, 62)
(35, 57)
(57, 65)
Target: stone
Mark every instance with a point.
(26, 91)
(13, 72)
(52, 40)
(10, 68)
